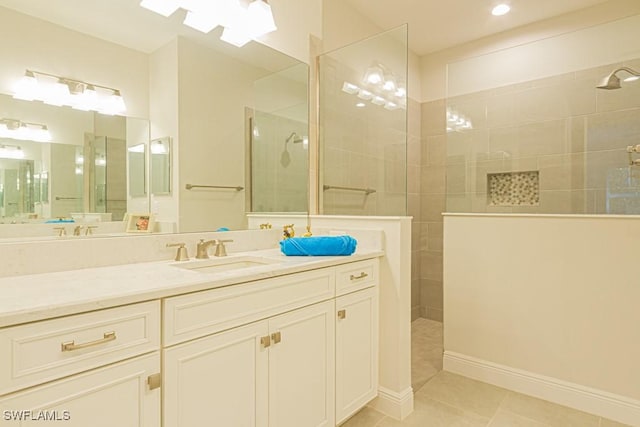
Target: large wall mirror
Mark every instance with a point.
(215, 118)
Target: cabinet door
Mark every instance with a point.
(356, 351)
(117, 395)
(302, 367)
(219, 380)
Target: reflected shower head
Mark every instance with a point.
(296, 138)
(612, 81)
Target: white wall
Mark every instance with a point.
(548, 45)
(296, 20)
(163, 114)
(343, 25)
(547, 305)
(41, 46)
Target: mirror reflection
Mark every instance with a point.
(137, 158)
(160, 150)
(199, 99)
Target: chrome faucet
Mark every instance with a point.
(202, 248)
(221, 250)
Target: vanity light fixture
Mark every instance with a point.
(11, 152)
(64, 91)
(24, 131)
(241, 23)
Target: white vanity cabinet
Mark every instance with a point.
(275, 372)
(296, 350)
(116, 395)
(90, 369)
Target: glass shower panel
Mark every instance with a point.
(363, 127)
(280, 142)
(529, 131)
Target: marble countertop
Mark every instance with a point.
(35, 297)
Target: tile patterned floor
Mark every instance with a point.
(443, 399)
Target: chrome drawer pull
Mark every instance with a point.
(71, 345)
(360, 276)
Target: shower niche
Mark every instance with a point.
(513, 189)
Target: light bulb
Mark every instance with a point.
(501, 9)
(235, 36)
(350, 88)
(27, 87)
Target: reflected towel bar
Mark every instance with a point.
(366, 191)
(67, 198)
(223, 187)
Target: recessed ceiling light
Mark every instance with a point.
(501, 9)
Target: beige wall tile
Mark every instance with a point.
(501, 110)
(431, 265)
(555, 101)
(415, 235)
(432, 206)
(626, 97)
(456, 178)
(458, 202)
(555, 202)
(433, 314)
(433, 118)
(467, 145)
(434, 150)
(414, 150)
(413, 206)
(413, 178)
(433, 180)
(576, 134)
(474, 110)
(431, 294)
(601, 165)
(613, 130)
(434, 236)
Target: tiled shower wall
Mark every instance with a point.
(432, 204)
(573, 134)
(414, 155)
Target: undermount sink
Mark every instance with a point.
(215, 265)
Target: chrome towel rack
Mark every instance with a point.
(366, 191)
(67, 198)
(219, 187)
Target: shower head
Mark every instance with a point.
(296, 138)
(612, 81)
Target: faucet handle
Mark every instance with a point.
(61, 231)
(89, 230)
(221, 250)
(182, 254)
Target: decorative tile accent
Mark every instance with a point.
(514, 188)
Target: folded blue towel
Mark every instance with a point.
(59, 220)
(318, 246)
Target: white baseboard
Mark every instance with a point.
(608, 405)
(392, 404)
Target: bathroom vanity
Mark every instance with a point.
(276, 341)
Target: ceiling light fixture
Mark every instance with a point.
(501, 9)
(63, 91)
(24, 131)
(241, 23)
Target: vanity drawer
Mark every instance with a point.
(202, 313)
(355, 276)
(37, 352)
